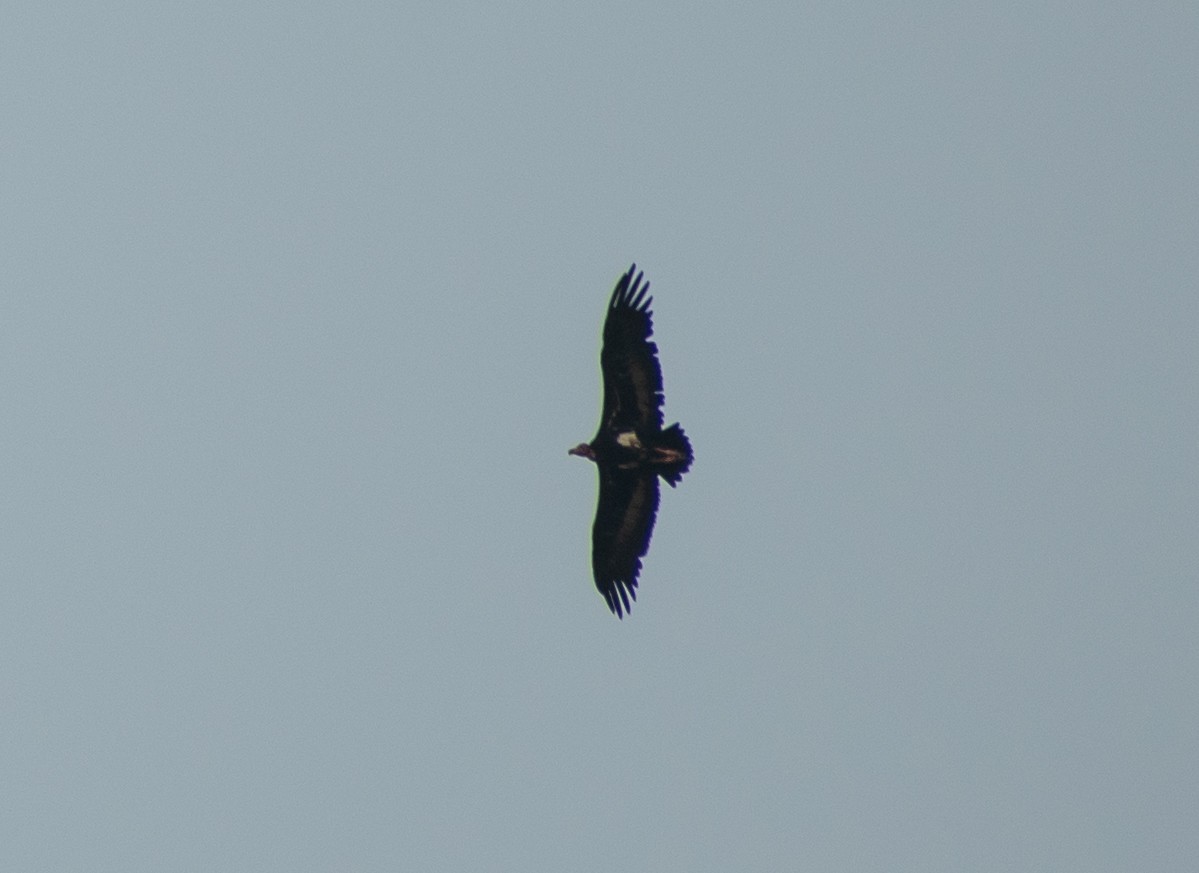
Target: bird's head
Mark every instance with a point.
(583, 450)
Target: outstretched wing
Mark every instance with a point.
(624, 522)
(629, 360)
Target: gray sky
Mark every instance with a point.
(301, 311)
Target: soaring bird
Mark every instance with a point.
(630, 449)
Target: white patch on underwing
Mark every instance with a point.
(628, 440)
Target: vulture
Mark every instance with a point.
(630, 449)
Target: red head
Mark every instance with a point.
(583, 450)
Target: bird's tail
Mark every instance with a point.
(674, 449)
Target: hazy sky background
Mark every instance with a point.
(300, 311)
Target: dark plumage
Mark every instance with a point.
(631, 449)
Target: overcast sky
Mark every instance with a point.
(300, 312)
